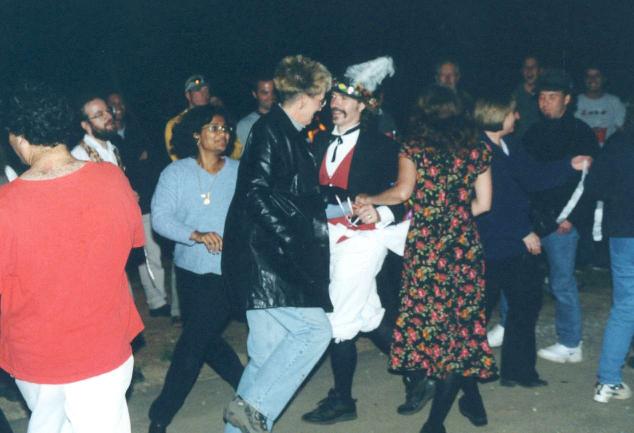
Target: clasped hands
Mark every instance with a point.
(212, 240)
(364, 210)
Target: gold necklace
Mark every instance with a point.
(206, 196)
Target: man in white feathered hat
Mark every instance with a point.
(356, 158)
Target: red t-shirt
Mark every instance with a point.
(66, 310)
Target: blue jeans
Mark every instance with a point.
(284, 344)
(561, 250)
(620, 327)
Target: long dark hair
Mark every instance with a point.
(442, 123)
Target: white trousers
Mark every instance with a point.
(354, 264)
(152, 278)
(93, 405)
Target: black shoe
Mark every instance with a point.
(428, 429)
(533, 383)
(164, 311)
(157, 428)
(418, 391)
(473, 410)
(331, 410)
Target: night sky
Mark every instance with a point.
(148, 48)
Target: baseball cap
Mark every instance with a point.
(195, 83)
(555, 80)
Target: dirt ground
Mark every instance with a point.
(565, 406)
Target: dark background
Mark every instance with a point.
(147, 48)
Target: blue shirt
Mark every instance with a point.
(179, 209)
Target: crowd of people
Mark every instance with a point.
(317, 231)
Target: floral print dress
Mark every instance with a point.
(441, 324)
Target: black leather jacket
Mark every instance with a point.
(275, 247)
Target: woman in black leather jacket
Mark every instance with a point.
(275, 250)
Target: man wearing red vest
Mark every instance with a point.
(356, 158)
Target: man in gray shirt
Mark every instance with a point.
(264, 93)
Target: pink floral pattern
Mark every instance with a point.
(441, 324)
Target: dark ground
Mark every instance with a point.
(565, 406)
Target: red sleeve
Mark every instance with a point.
(133, 209)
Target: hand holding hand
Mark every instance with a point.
(578, 162)
(367, 213)
(564, 227)
(533, 244)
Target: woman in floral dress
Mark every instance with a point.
(445, 178)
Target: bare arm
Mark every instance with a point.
(484, 193)
(400, 192)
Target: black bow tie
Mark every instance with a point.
(340, 140)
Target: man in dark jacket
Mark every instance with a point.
(612, 180)
(276, 250)
(558, 214)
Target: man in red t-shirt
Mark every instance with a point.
(67, 316)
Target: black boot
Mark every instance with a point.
(471, 405)
(418, 391)
(446, 391)
(332, 409)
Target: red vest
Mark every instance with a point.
(340, 177)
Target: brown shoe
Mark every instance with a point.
(242, 415)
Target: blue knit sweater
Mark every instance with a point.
(178, 210)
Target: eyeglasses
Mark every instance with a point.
(218, 128)
(101, 114)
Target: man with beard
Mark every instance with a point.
(98, 125)
(356, 158)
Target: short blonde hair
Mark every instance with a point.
(298, 74)
(490, 112)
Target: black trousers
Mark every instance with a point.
(520, 280)
(205, 312)
(343, 356)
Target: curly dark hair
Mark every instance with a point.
(441, 122)
(191, 123)
(40, 114)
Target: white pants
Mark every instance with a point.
(154, 288)
(354, 264)
(93, 405)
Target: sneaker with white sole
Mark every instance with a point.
(604, 392)
(496, 336)
(560, 353)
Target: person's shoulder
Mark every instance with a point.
(249, 118)
(232, 164)
(79, 152)
(180, 165)
(613, 99)
(176, 118)
(102, 169)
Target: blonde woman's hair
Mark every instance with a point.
(298, 74)
(490, 112)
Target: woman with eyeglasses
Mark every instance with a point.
(189, 206)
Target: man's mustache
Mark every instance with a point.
(337, 110)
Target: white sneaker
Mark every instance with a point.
(560, 353)
(496, 336)
(604, 392)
